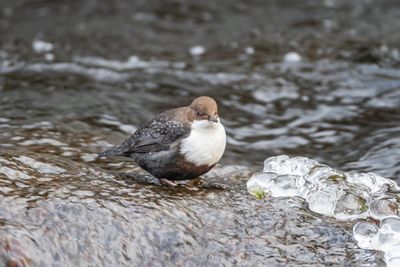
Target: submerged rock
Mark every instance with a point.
(68, 212)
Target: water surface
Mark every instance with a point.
(75, 79)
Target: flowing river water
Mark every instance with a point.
(318, 79)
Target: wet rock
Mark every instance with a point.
(12, 254)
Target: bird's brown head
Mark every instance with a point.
(205, 108)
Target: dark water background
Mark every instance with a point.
(114, 64)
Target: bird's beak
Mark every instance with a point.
(213, 118)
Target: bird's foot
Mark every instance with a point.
(193, 184)
(168, 183)
(188, 187)
(196, 182)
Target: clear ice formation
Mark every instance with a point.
(369, 198)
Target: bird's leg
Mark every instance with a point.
(168, 182)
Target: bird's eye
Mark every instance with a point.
(198, 114)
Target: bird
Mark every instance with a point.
(178, 144)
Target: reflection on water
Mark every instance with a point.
(79, 86)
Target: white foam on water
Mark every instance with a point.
(38, 125)
(49, 56)
(40, 46)
(366, 197)
(249, 50)
(42, 141)
(112, 71)
(197, 50)
(292, 57)
(133, 62)
(95, 73)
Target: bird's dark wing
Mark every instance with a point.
(156, 135)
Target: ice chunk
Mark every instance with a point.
(285, 165)
(393, 262)
(268, 183)
(384, 240)
(321, 176)
(351, 206)
(273, 163)
(258, 184)
(391, 224)
(371, 181)
(345, 196)
(384, 207)
(364, 232)
(324, 201)
(285, 185)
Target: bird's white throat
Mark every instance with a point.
(206, 143)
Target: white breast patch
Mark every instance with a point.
(206, 143)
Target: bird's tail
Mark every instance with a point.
(115, 151)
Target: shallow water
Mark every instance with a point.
(75, 79)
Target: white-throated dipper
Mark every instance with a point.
(178, 144)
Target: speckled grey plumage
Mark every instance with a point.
(155, 135)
